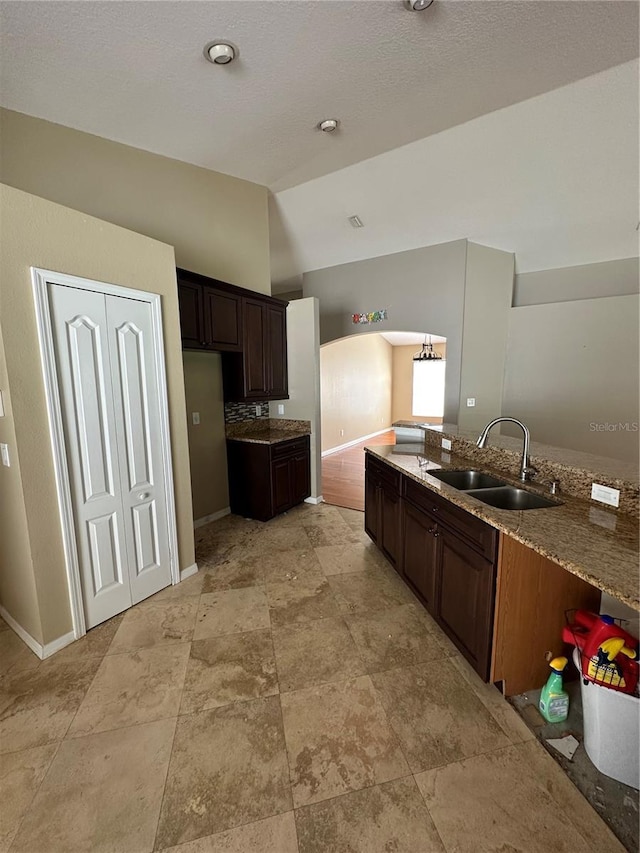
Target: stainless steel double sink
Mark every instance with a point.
(490, 490)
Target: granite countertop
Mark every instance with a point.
(268, 436)
(598, 545)
(267, 430)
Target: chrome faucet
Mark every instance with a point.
(526, 470)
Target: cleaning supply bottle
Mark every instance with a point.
(554, 701)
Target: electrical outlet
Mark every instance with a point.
(4, 452)
(605, 495)
(471, 401)
(1, 406)
(446, 444)
(258, 411)
(195, 418)
(281, 408)
(341, 433)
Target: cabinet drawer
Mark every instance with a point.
(289, 448)
(475, 532)
(383, 472)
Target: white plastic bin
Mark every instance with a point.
(611, 730)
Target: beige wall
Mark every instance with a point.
(18, 594)
(402, 383)
(207, 449)
(355, 378)
(487, 305)
(39, 233)
(218, 225)
(303, 355)
(573, 364)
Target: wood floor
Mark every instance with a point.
(343, 473)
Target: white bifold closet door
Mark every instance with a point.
(108, 387)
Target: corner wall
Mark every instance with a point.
(218, 225)
(355, 375)
(39, 233)
(487, 305)
(18, 594)
(303, 356)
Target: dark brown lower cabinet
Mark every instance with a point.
(465, 599)
(420, 553)
(267, 479)
(445, 554)
(382, 508)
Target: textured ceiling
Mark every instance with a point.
(553, 179)
(134, 72)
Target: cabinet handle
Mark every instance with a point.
(434, 531)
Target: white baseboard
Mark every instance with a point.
(37, 648)
(355, 441)
(207, 519)
(51, 648)
(34, 645)
(314, 501)
(190, 570)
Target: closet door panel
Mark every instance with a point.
(83, 369)
(137, 416)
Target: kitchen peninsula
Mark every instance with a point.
(510, 598)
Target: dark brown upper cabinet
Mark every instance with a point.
(249, 329)
(210, 314)
(259, 372)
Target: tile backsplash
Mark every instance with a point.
(235, 413)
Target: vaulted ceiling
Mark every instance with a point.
(134, 72)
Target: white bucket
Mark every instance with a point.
(611, 730)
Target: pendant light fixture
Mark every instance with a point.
(427, 353)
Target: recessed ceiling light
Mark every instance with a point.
(417, 5)
(328, 125)
(220, 52)
(356, 222)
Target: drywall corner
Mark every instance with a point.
(487, 302)
(303, 356)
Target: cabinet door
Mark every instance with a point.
(371, 506)
(222, 320)
(281, 485)
(465, 599)
(419, 553)
(390, 523)
(276, 352)
(255, 345)
(190, 303)
(300, 477)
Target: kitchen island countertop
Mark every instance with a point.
(596, 544)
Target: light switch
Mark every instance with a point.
(195, 418)
(258, 411)
(446, 444)
(4, 451)
(471, 401)
(281, 408)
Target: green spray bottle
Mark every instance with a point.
(554, 701)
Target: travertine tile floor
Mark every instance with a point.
(291, 696)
